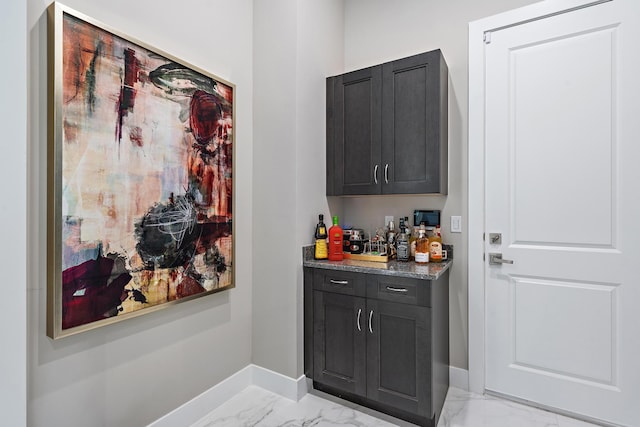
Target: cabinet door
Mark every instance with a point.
(353, 142)
(398, 356)
(339, 341)
(414, 129)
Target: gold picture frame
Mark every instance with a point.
(140, 190)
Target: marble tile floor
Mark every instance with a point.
(256, 407)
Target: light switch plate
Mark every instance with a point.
(456, 224)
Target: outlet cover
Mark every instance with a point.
(456, 224)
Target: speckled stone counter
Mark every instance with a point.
(431, 271)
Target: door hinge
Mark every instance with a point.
(483, 256)
(487, 37)
(483, 237)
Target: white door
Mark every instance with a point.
(563, 189)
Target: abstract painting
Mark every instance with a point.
(140, 190)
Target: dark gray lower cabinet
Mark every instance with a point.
(398, 357)
(338, 341)
(380, 341)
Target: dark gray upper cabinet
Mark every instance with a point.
(354, 108)
(387, 128)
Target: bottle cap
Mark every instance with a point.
(335, 220)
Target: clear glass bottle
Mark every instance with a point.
(412, 242)
(391, 240)
(422, 246)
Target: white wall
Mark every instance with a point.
(274, 184)
(133, 372)
(320, 54)
(377, 31)
(296, 45)
(13, 213)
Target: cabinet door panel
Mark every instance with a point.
(398, 357)
(414, 126)
(357, 101)
(339, 341)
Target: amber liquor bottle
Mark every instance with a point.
(321, 250)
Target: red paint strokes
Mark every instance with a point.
(92, 291)
(70, 131)
(127, 97)
(189, 286)
(80, 41)
(173, 274)
(225, 91)
(135, 136)
(205, 113)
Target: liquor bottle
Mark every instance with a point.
(335, 241)
(413, 237)
(402, 243)
(391, 240)
(435, 246)
(422, 246)
(321, 249)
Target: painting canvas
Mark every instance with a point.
(140, 177)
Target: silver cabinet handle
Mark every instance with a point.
(359, 313)
(386, 173)
(339, 282)
(375, 174)
(370, 316)
(496, 259)
(392, 289)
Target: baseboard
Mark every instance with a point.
(458, 378)
(293, 389)
(198, 407)
(279, 384)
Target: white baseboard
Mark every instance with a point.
(198, 407)
(293, 389)
(279, 384)
(458, 378)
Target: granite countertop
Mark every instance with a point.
(431, 271)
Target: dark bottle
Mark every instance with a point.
(402, 243)
(321, 250)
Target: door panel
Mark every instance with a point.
(561, 153)
(357, 111)
(409, 125)
(412, 126)
(339, 341)
(579, 346)
(398, 356)
(562, 72)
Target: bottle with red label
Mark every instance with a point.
(335, 241)
(435, 246)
